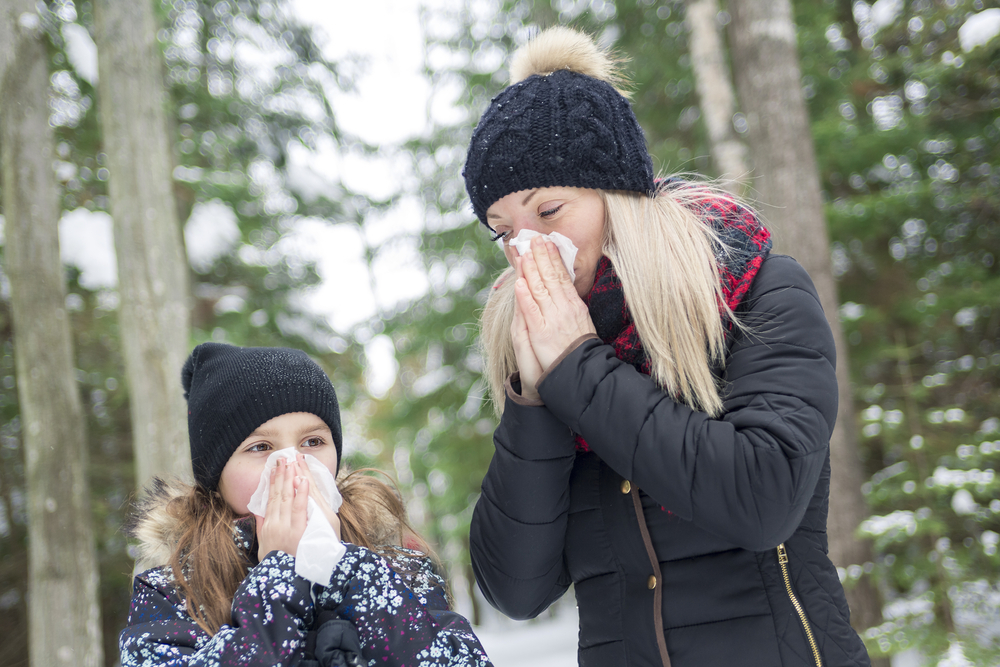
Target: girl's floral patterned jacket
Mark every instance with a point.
(398, 622)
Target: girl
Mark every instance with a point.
(226, 589)
(666, 415)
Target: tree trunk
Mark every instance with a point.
(152, 269)
(64, 617)
(768, 80)
(715, 91)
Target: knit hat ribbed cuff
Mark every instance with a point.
(559, 129)
(231, 391)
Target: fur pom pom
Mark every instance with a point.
(564, 48)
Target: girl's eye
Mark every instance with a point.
(259, 447)
(314, 442)
(551, 211)
(500, 235)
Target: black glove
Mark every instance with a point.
(333, 642)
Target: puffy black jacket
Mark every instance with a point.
(720, 499)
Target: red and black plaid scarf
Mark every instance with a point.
(747, 243)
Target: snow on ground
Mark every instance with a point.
(539, 643)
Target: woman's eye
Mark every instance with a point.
(500, 235)
(551, 211)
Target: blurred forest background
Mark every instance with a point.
(206, 112)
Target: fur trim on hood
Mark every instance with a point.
(154, 525)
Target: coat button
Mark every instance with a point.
(626, 486)
(652, 582)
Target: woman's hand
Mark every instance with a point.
(287, 500)
(553, 313)
(527, 363)
(314, 493)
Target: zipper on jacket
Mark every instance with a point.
(783, 564)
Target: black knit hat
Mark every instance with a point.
(559, 129)
(232, 390)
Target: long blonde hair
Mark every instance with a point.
(666, 259)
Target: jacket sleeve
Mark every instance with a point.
(518, 529)
(396, 625)
(748, 475)
(271, 610)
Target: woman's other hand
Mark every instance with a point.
(287, 500)
(527, 363)
(553, 313)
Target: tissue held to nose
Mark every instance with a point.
(319, 549)
(566, 248)
(326, 485)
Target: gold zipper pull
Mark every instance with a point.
(799, 609)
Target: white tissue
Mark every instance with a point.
(566, 248)
(319, 549)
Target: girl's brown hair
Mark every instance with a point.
(208, 563)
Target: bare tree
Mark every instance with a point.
(152, 269)
(64, 617)
(715, 92)
(768, 80)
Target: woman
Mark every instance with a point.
(666, 413)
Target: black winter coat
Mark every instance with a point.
(735, 507)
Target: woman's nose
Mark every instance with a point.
(527, 222)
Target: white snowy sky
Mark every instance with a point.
(390, 105)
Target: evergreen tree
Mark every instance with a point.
(905, 125)
(236, 119)
(904, 119)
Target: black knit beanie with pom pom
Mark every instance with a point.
(558, 129)
(232, 390)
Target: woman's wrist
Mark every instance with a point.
(515, 392)
(580, 340)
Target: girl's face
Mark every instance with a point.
(302, 431)
(576, 213)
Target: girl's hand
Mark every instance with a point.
(285, 522)
(314, 493)
(527, 362)
(554, 314)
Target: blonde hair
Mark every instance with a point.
(665, 257)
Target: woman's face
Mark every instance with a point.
(302, 431)
(576, 213)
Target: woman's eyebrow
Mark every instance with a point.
(531, 194)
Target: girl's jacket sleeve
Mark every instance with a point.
(273, 610)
